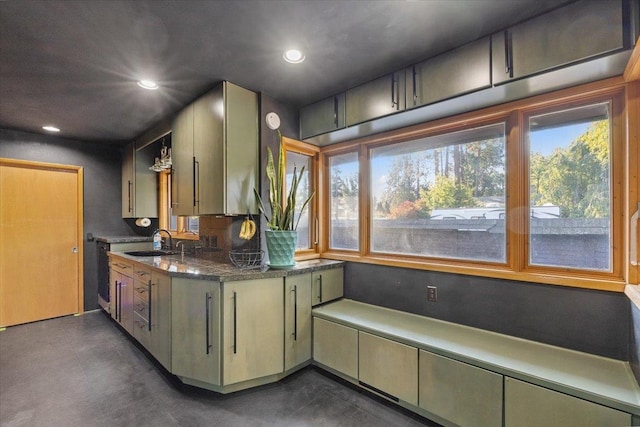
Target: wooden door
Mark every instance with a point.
(40, 241)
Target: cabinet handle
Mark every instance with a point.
(295, 312)
(393, 91)
(508, 56)
(196, 174)
(319, 279)
(207, 315)
(149, 305)
(415, 92)
(130, 185)
(120, 302)
(235, 319)
(335, 112)
(116, 297)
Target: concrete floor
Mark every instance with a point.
(84, 371)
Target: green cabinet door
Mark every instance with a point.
(297, 320)
(327, 285)
(160, 318)
(323, 116)
(527, 405)
(336, 347)
(464, 395)
(253, 329)
(195, 329)
(388, 366)
(377, 98)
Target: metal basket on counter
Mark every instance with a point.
(246, 259)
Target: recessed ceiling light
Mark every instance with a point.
(148, 84)
(293, 56)
(51, 128)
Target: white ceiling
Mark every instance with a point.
(74, 63)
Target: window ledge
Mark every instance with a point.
(493, 271)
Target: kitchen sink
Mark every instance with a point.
(151, 253)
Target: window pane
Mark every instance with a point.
(570, 188)
(343, 213)
(297, 161)
(441, 196)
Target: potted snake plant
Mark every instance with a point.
(283, 216)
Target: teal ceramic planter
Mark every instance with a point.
(281, 247)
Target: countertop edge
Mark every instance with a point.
(196, 268)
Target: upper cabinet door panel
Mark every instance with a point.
(572, 33)
(182, 188)
(453, 73)
(208, 150)
(377, 98)
(323, 116)
(241, 150)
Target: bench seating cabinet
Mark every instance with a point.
(461, 376)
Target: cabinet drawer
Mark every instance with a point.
(141, 274)
(141, 290)
(122, 267)
(388, 366)
(528, 405)
(141, 307)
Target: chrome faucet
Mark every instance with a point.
(159, 231)
(181, 244)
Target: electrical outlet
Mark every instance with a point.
(432, 293)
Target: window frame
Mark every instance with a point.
(313, 152)
(513, 114)
(164, 215)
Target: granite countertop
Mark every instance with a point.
(123, 239)
(197, 268)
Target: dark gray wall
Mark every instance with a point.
(581, 319)
(289, 126)
(102, 175)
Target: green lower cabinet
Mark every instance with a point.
(253, 329)
(336, 347)
(195, 329)
(527, 405)
(327, 285)
(297, 320)
(160, 318)
(389, 367)
(460, 393)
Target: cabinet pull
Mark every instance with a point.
(149, 305)
(207, 316)
(120, 302)
(319, 279)
(235, 319)
(393, 91)
(129, 186)
(295, 312)
(508, 57)
(116, 298)
(415, 92)
(195, 180)
(335, 112)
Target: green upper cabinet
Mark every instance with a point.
(323, 116)
(380, 97)
(139, 184)
(215, 144)
(462, 70)
(575, 32)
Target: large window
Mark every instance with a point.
(344, 190)
(441, 196)
(531, 190)
(570, 187)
